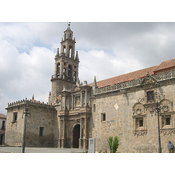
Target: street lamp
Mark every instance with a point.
(26, 112)
(157, 108)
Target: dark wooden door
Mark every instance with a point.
(76, 136)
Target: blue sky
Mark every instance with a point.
(105, 50)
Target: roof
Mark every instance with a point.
(3, 116)
(166, 65)
(125, 77)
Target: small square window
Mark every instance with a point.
(140, 123)
(15, 114)
(94, 107)
(41, 131)
(150, 96)
(168, 121)
(103, 116)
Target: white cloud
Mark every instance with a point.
(23, 75)
(105, 50)
(103, 65)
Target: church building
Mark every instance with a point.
(122, 106)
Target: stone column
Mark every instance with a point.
(85, 100)
(63, 136)
(81, 127)
(55, 69)
(81, 99)
(59, 139)
(72, 102)
(85, 133)
(65, 102)
(61, 102)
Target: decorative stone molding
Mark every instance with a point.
(137, 82)
(168, 131)
(140, 132)
(138, 109)
(29, 102)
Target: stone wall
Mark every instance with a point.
(118, 108)
(14, 130)
(41, 115)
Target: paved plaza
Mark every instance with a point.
(39, 150)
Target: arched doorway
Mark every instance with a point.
(76, 136)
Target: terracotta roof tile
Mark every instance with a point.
(126, 77)
(166, 65)
(3, 116)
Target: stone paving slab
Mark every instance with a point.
(40, 150)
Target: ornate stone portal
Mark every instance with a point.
(74, 120)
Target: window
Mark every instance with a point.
(94, 107)
(41, 131)
(74, 76)
(64, 73)
(15, 114)
(64, 49)
(58, 70)
(168, 121)
(3, 125)
(103, 117)
(70, 51)
(150, 96)
(77, 101)
(139, 122)
(69, 72)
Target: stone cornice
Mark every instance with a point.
(123, 87)
(29, 102)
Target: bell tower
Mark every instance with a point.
(66, 66)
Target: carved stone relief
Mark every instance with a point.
(138, 109)
(77, 101)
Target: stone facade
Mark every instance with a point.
(2, 128)
(122, 106)
(39, 126)
(130, 117)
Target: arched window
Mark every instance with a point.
(64, 36)
(64, 73)
(69, 72)
(74, 76)
(58, 70)
(70, 51)
(64, 49)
